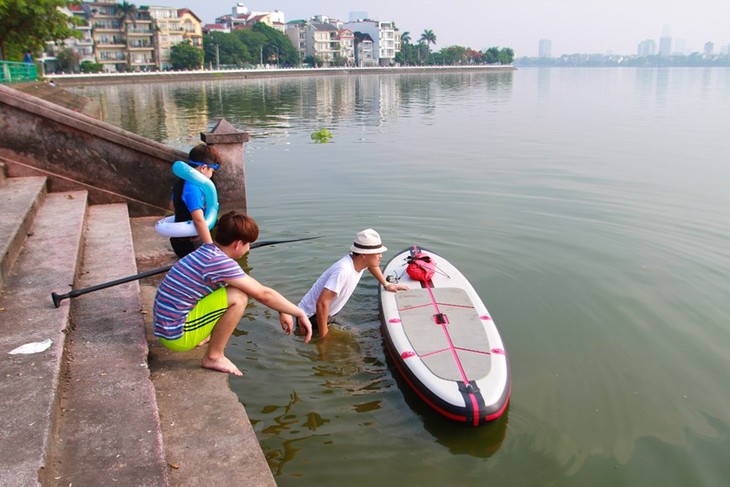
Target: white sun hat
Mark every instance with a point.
(368, 242)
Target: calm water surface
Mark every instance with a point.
(590, 209)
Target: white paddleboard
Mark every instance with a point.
(444, 342)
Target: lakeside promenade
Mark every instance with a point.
(265, 72)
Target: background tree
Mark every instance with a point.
(231, 51)
(68, 60)
(91, 67)
(506, 56)
(453, 55)
(186, 56)
(491, 55)
(254, 42)
(26, 25)
(278, 47)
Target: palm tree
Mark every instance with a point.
(405, 37)
(128, 11)
(428, 37)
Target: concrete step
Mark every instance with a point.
(19, 200)
(28, 389)
(108, 428)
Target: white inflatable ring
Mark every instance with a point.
(168, 227)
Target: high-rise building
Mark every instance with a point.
(646, 48)
(665, 46)
(544, 48)
(709, 48)
(665, 42)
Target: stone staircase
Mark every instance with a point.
(105, 403)
(83, 411)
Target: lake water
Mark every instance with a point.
(589, 208)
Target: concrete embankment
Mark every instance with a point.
(102, 404)
(204, 75)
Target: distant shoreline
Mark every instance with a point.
(207, 75)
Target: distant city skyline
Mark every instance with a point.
(572, 26)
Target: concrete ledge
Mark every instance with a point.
(74, 149)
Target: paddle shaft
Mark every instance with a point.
(57, 298)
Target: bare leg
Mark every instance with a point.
(214, 357)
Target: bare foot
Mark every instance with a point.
(205, 340)
(222, 364)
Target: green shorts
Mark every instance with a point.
(200, 322)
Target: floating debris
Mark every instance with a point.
(321, 136)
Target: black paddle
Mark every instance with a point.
(57, 298)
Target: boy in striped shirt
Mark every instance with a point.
(203, 297)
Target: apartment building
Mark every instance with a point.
(124, 37)
(140, 36)
(170, 31)
(107, 30)
(192, 27)
(324, 39)
(384, 37)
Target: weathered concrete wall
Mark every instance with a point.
(202, 75)
(79, 152)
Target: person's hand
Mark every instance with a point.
(395, 287)
(287, 323)
(304, 321)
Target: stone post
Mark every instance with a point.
(230, 180)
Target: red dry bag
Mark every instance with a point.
(420, 267)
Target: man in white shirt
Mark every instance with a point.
(330, 292)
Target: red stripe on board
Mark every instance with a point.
(473, 351)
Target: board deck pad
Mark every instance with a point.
(430, 341)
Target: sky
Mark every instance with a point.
(573, 26)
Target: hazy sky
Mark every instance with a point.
(585, 26)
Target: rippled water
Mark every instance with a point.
(590, 210)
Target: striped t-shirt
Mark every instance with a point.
(191, 279)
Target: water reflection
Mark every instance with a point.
(285, 420)
(175, 113)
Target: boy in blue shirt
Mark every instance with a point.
(188, 200)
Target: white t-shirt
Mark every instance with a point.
(341, 278)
